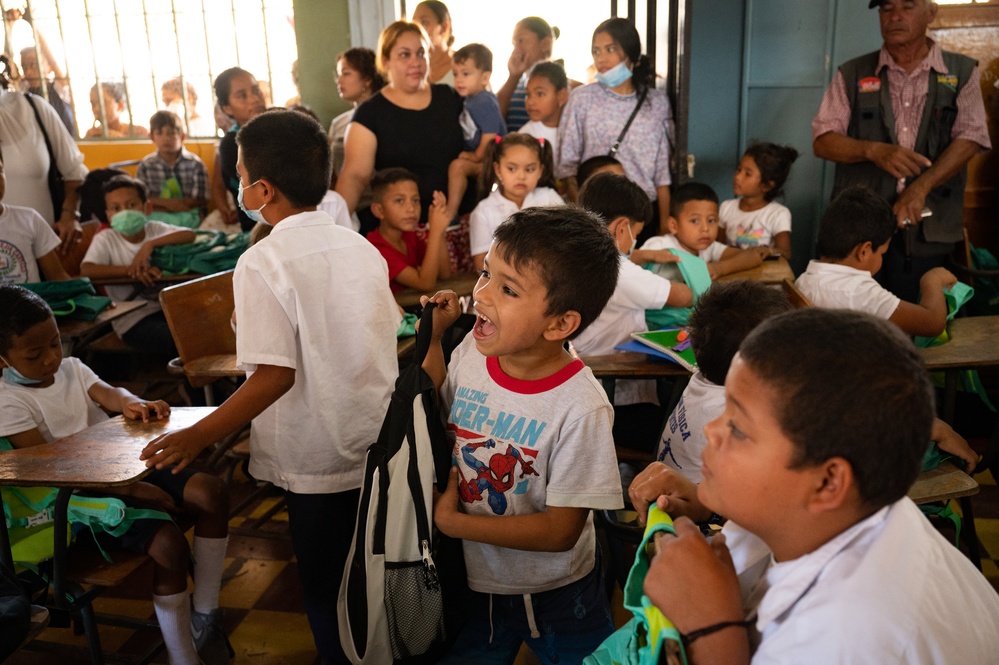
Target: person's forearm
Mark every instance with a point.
(729, 646)
(175, 238)
(350, 185)
(103, 271)
(537, 532)
(743, 260)
(954, 157)
(428, 271)
(434, 364)
(841, 149)
(262, 388)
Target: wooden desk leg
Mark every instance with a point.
(968, 532)
(6, 557)
(60, 558)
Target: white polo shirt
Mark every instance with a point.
(835, 286)
(496, 208)
(315, 297)
(711, 253)
(888, 590)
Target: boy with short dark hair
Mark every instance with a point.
(124, 250)
(413, 262)
(533, 445)
(177, 178)
(854, 234)
(824, 558)
(481, 121)
(723, 316)
(315, 331)
(693, 228)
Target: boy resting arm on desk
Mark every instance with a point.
(533, 448)
(824, 558)
(177, 178)
(44, 397)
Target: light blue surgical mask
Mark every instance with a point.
(615, 76)
(252, 214)
(128, 222)
(634, 241)
(15, 378)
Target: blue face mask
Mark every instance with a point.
(614, 76)
(252, 214)
(15, 378)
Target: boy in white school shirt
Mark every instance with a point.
(316, 334)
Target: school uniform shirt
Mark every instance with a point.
(521, 446)
(669, 271)
(110, 248)
(540, 130)
(683, 438)
(888, 590)
(62, 409)
(496, 208)
(836, 286)
(335, 206)
(24, 238)
(416, 249)
(753, 229)
(315, 298)
(637, 290)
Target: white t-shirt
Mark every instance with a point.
(888, 590)
(683, 438)
(315, 297)
(669, 271)
(336, 207)
(26, 160)
(756, 228)
(110, 248)
(62, 409)
(24, 238)
(540, 130)
(836, 286)
(496, 208)
(637, 290)
(521, 446)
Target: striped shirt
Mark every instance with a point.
(516, 113)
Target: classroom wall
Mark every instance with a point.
(322, 30)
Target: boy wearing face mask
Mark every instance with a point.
(124, 251)
(626, 209)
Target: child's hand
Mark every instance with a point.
(137, 409)
(764, 251)
(713, 272)
(941, 276)
(951, 442)
(180, 448)
(447, 312)
(141, 259)
(674, 494)
(468, 156)
(664, 256)
(437, 215)
(693, 581)
(446, 504)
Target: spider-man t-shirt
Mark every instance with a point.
(521, 446)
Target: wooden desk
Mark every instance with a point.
(165, 280)
(974, 344)
(943, 483)
(105, 455)
(771, 271)
(76, 333)
(462, 284)
(630, 365)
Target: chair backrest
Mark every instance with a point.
(794, 296)
(72, 260)
(199, 313)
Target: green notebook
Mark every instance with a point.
(665, 341)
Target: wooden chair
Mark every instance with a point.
(71, 261)
(794, 296)
(199, 313)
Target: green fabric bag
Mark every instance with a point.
(648, 636)
(695, 273)
(407, 327)
(986, 300)
(190, 219)
(211, 252)
(73, 298)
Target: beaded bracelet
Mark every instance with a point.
(689, 638)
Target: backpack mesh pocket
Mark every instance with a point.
(414, 608)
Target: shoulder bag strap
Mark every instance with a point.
(627, 125)
(45, 134)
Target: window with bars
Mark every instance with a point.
(142, 55)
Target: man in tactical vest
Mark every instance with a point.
(904, 121)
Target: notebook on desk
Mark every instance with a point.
(665, 344)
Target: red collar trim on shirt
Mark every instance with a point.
(536, 386)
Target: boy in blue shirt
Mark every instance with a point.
(533, 448)
(481, 121)
(315, 331)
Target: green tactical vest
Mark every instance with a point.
(872, 120)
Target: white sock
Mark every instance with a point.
(209, 563)
(174, 614)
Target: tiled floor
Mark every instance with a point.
(262, 598)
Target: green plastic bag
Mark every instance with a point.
(695, 273)
(73, 298)
(649, 635)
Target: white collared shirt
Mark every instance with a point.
(836, 286)
(890, 589)
(494, 210)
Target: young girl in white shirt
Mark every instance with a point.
(520, 166)
(754, 218)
